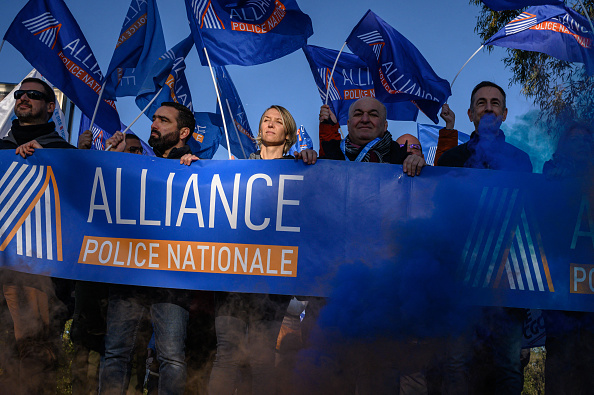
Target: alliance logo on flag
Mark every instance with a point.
(46, 26)
(206, 14)
(258, 16)
(524, 21)
(333, 93)
(98, 140)
(255, 16)
(559, 27)
(375, 41)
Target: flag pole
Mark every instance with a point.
(136, 119)
(236, 131)
(454, 80)
(97, 106)
(214, 81)
(1, 45)
(332, 72)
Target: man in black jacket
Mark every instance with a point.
(31, 299)
(34, 104)
(168, 309)
(487, 148)
(368, 139)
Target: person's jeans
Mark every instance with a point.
(247, 327)
(124, 316)
(235, 339)
(503, 343)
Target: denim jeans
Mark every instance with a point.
(247, 327)
(124, 316)
(500, 369)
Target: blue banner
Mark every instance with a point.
(207, 135)
(261, 226)
(47, 35)
(501, 5)
(167, 78)
(351, 81)
(139, 45)
(557, 31)
(400, 72)
(247, 33)
(241, 139)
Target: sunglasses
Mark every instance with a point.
(413, 146)
(135, 150)
(31, 94)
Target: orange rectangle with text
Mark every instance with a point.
(186, 256)
(581, 279)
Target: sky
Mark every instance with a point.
(443, 31)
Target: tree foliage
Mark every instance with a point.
(561, 90)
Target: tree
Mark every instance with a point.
(561, 89)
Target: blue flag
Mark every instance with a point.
(554, 30)
(47, 35)
(351, 81)
(140, 44)
(502, 5)
(429, 135)
(247, 32)
(167, 73)
(303, 141)
(207, 136)
(241, 138)
(100, 136)
(399, 71)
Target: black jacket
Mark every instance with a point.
(498, 155)
(45, 134)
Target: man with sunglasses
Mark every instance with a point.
(34, 104)
(31, 299)
(412, 144)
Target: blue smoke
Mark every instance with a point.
(530, 135)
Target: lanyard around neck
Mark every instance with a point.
(363, 152)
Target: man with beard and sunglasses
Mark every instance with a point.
(31, 299)
(168, 309)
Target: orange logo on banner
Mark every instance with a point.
(185, 256)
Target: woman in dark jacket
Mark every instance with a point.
(248, 324)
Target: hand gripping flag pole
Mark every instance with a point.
(332, 72)
(236, 131)
(135, 119)
(214, 81)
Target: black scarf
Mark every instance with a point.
(378, 153)
(24, 134)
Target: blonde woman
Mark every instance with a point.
(277, 132)
(248, 324)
